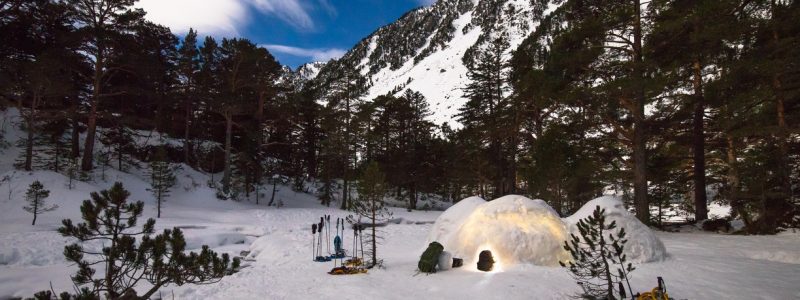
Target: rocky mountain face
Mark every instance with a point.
(428, 49)
(298, 78)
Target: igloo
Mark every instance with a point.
(521, 230)
(516, 229)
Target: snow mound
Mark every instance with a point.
(642, 246)
(444, 228)
(516, 229)
(520, 230)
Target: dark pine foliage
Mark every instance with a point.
(130, 255)
(599, 264)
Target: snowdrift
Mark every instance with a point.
(521, 230)
(642, 246)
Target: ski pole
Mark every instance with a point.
(319, 246)
(343, 252)
(328, 234)
(361, 238)
(313, 241)
(355, 238)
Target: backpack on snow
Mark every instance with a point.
(429, 259)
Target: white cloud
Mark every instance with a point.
(316, 54)
(225, 17)
(426, 2)
(212, 17)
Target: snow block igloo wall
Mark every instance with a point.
(520, 230)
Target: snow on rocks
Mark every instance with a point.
(520, 230)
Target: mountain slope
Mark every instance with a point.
(428, 49)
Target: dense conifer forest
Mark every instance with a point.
(672, 102)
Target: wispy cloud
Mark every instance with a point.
(316, 54)
(226, 17)
(329, 8)
(426, 2)
(290, 11)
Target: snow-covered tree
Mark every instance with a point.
(35, 197)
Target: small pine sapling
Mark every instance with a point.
(370, 206)
(160, 260)
(162, 178)
(599, 264)
(35, 197)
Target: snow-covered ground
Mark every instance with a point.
(698, 265)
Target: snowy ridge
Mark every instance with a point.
(427, 49)
(310, 70)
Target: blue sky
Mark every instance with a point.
(295, 31)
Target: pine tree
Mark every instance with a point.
(120, 145)
(370, 205)
(35, 196)
(484, 114)
(595, 54)
(159, 260)
(101, 22)
(340, 144)
(598, 260)
(237, 71)
(162, 178)
(188, 70)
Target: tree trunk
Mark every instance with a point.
(639, 134)
(782, 137)
(226, 177)
(30, 119)
(345, 193)
(274, 189)
(259, 113)
(75, 138)
(91, 124)
(698, 145)
(159, 204)
(734, 182)
(187, 145)
(35, 211)
(374, 236)
(29, 146)
(412, 196)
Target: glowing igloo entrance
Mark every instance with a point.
(520, 230)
